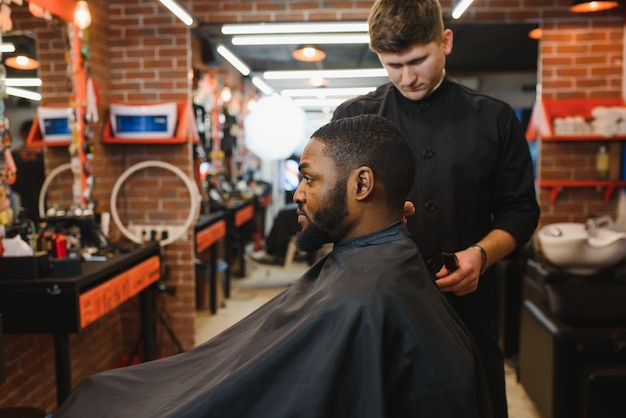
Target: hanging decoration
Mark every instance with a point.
(84, 105)
(8, 169)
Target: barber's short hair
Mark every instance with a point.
(375, 142)
(395, 25)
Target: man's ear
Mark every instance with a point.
(364, 178)
(447, 41)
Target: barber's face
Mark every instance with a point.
(321, 199)
(417, 70)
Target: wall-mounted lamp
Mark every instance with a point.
(586, 6)
(82, 16)
(308, 53)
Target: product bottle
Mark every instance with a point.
(27, 228)
(59, 244)
(602, 163)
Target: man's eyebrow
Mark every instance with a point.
(303, 166)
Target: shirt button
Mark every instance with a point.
(432, 264)
(428, 154)
(430, 206)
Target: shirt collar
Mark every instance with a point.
(390, 233)
(443, 77)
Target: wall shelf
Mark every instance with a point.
(545, 110)
(183, 126)
(556, 186)
(35, 139)
(540, 128)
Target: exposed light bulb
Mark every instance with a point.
(82, 16)
(22, 60)
(309, 52)
(226, 94)
(317, 81)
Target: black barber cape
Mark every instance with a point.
(363, 333)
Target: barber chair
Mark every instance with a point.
(573, 343)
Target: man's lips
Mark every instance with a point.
(411, 88)
(301, 215)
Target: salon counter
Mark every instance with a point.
(210, 229)
(61, 306)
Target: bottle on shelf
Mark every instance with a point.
(27, 228)
(602, 163)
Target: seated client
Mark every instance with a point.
(363, 333)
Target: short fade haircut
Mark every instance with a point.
(395, 25)
(372, 141)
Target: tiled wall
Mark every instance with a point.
(140, 52)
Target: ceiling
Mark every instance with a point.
(478, 48)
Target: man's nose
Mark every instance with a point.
(408, 75)
(298, 196)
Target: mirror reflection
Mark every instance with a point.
(19, 87)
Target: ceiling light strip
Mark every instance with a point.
(26, 94)
(300, 39)
(304, 27)
(233, 60)
(7, 47)
(178, 11)
(327, 92)
(303, 74)
(261, 85)
(460, 8)
(23, 82)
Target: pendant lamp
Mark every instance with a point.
(24, 57)
(309, 53)
(587, 6)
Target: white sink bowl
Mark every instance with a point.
(570, 246)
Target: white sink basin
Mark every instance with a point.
(571, 246)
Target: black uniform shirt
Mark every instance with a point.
(474, 171)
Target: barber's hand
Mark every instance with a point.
(409, 209)
(464, 279)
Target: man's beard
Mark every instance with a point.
(325, 226)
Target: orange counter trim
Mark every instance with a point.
(102, 299)
(210, 235)
(243, 215)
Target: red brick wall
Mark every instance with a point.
(286, 10)
(578, 60)
(140, 52)
(129, 64)
(150, 49)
